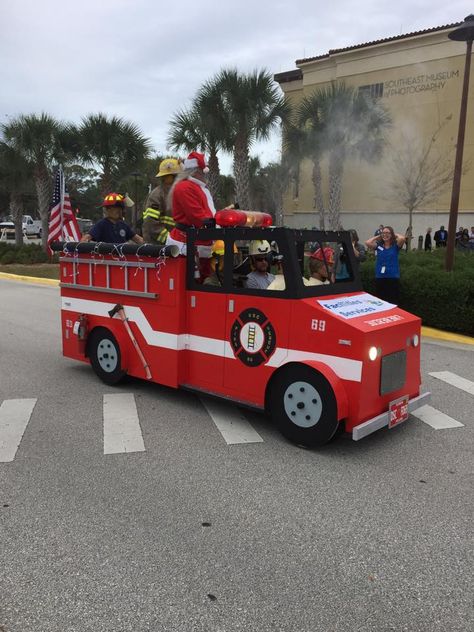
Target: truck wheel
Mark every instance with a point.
(104, 354)
(303, 406)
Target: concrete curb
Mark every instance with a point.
(29, 279)
(426, 332)
(437, 334)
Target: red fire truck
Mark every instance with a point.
(317, 358)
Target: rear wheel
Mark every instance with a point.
(303, 406)
(105, 356)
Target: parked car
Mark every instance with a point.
(84, 224)
(7, 231)
(32, 227)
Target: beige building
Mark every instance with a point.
(418, 78)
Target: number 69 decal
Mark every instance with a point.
(318, 325)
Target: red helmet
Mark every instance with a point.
(324, 254)
(114, 199)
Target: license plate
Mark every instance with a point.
(398, 411)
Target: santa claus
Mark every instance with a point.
(192, 206)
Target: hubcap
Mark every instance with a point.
(107, 355)
(303, 404)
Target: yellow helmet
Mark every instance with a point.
(218, 248)
(169, 167)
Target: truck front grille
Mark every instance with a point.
(393, 372)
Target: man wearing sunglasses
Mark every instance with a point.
(260, 278)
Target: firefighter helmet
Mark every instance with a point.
(259, 247)
(114, 199)
(169, 167)
(218, 248)
(324, 254)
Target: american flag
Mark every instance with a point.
(63, 225)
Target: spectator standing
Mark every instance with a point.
(379, 230)
(471, 238)
(360, 253)
(462, 242)
(387, 268)
(441, 237)
(428, 244)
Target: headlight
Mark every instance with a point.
(373, 353)
(415, 340)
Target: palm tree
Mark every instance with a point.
(339, 122)
(352, 126)
(202, 127)
(116, 146)
(14, 177)
(41, 141)
(252, 107)
(303, 140)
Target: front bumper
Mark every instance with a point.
(374, 424)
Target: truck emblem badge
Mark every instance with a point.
(252, 337)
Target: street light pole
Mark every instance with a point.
(463, 33)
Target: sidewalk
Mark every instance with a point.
(426, 332)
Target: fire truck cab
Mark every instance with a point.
(316, 357)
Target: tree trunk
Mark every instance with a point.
(43, 186)
(279, 215)
(16, 207)
(318, 193)
(336, 172)
(241, 173)
(105, 182)
(213, 175)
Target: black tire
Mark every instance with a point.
(104, 353)
(303, 406)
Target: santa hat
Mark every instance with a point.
(196, 160)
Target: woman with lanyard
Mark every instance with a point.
(387, 245)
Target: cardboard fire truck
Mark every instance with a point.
(316, 358)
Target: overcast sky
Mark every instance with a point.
(144, 60)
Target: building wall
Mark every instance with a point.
(421, 79)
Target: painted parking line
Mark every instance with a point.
(122, 432)
(435, 418)
(455, 380)
(231, 423)
(14, 417)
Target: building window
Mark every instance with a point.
(374, 90)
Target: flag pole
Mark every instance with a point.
(62, 186)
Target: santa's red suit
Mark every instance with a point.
(192, 203)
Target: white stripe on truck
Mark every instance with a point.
(344, 368)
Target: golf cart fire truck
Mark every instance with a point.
(317, 358)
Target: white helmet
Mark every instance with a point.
(259, 247)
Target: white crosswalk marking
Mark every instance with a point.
(14, 417)
(435, 418)
(231, 423)
(455, 380)
(122, 432)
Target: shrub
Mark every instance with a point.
(26, 254)
(441, 299)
